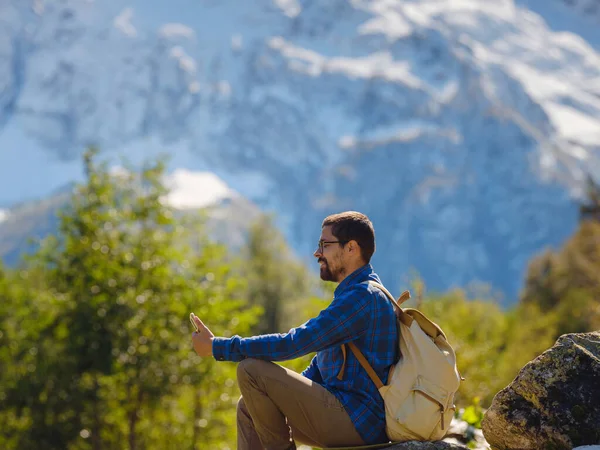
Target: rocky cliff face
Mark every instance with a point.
(461, 129)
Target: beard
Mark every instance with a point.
(325, 272)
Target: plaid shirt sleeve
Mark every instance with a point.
(344, 320)
(312, 372)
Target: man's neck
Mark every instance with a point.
(350, 270)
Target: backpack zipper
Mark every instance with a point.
(442, 410)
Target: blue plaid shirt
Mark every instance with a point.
(358, 313)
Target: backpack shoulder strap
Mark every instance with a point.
(363, 362)
(406, 319)
(402, 316)
(407, 315)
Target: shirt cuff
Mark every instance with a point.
(220, 348)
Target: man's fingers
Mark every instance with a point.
(198, 322)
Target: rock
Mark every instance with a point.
(459, 433)
(435, 445)
(554, 402)
(411, 445)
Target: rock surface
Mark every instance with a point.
(554, 402)
(416, 445)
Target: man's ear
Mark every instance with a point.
(354, 249)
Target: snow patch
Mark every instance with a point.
(123, 23)
(186, 62)
(573, 124)
(173, 30)
(290, 8)
(403, 132)
(346, 142)
(3, 215)
(377, 65)
(191, 190)
(393, 25)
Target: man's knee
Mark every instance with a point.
(248, 367)
(241, 405)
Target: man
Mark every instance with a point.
(333, 402)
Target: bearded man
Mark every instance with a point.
(333, 402)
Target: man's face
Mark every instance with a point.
(330, 255)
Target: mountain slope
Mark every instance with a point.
(462, 128)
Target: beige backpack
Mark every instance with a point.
(421, 386)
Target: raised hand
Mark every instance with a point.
(202, 339)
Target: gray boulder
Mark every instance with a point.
(553, 403)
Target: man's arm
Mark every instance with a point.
(312, 372)
(343, 321)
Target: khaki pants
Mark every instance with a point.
(279, 406)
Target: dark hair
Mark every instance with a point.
(352, 225)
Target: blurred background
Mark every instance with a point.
(158, 158)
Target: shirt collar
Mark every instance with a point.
(358, 276)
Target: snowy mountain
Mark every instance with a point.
(463, 128)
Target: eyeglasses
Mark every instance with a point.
(321, 244)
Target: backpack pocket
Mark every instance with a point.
(424, 411)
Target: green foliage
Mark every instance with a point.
(105, 354)
(95, 348)
(473, 414)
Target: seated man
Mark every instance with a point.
(333, 402)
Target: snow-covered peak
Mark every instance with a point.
(3, 215)
(189, 189)
(195, 190)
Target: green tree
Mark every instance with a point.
(105, 354)
(11, 422)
